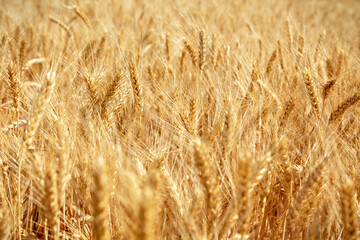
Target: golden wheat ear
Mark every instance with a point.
(51, 201)
(202, 50)
(348, 210)
(14, 87)
(149, 204)
(135, 83)
(31, 128)
(191, 51)
(271, 62)
(82, 16)
(101, 200)
(305, 200)
(209, 182)
(5, 226)
(239, 212)
(311, 92)
(342, 107)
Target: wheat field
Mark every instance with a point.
(176, 119)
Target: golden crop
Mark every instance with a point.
(174, 119)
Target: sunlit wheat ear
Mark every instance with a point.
(227, 133)
(82, 15)
(333, 74)
(101, 199)
(305, 199)
(62, 25)
(271, 62)
(342, 107)
(14, 86)
(289, 33)
(167, 47)
(51, 201)
(301, 45)
(100, 48)
(239, 212)
(281, 59)
(330, 71)
(215, 50)
(340, 63)
(202, 50)
(62, 156)
(182, 60)
(31, 128)
(91, 89)
(106, 105)
(193, 114)
(289, 106)
(149, 205)
(191, 51)
(135, 85)
(5, 218)
(22, 53)
(248, 98)
(327, 88)
(318, 46)
(348, 210)
(4, 223)
(44, 96)
(209, 182)
(311, 92)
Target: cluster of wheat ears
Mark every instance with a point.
(174, 119)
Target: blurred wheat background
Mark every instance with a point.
(144, 120)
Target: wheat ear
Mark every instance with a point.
(62, 25)
(306, 199)
(149, 205)
(342, 107)
(289, 106)
(101, 200)
(311, 92)
(14, 86)
(239, 212)
(82, 16)
(4, 215)
(271, 62)
(208, 181)
(289, 34)
(30, 130)
(348, 210)
(202, 50)
(329, 85)
(109, 97)
(135, 83)
(51, 200)
(191, 51)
